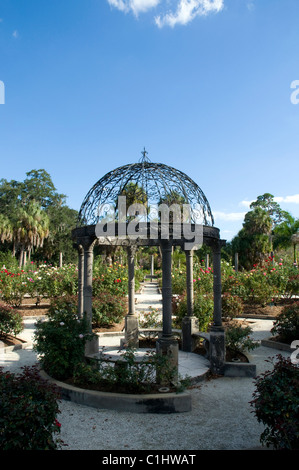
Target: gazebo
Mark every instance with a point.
(151, 204)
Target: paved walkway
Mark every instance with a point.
(221, 416)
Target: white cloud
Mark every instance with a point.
(245, 204)
(172, 12)
(288, 199)
(187, 10)
(228, 216)
(135, 6)
(15, 34)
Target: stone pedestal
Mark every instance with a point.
(217, 350)
(92, 346)
(131, 320)
(189, 323)
(131, 339)
(189, 327)
(168, 372)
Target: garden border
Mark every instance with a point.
(162, 403)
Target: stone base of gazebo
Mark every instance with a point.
(92, 346)
(169, 348)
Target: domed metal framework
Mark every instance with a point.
(153, 183)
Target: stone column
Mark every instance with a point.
(217, 336)
(91, 346)
(207, 260)
(236, 262)
(80, 280)
(131, 320)
(190, 323)
(167, 345)
(152, 267)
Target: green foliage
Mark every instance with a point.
(65, 302)
(232, 306)
(203, 310)
(276, 404)
(111, 278)
(10, 321)
(129, 374)
(28, 411)
(107, 309)
(8, 261)
(28, 209)
(41, 282)
(178, 281)
(253, 241)
(286, 325)
(151, 318)
(237, 337)
(60, 342)
(13, 287)
(292, 286)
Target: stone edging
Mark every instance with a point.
(162, 403)
(268, 343)
(15, 347)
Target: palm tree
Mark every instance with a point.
(31, 228)
(5, 229)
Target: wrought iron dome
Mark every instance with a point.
(153, 183)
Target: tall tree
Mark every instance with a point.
(62, 221)
(17, 200)
(5, 229)
(39, 187)
(31, 228)
(266, 202)
(253, 242)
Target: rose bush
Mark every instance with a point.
(28, 411)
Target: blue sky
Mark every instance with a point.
(203, 85)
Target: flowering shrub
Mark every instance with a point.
(276, 404)
(60, 342)
(45, 281)
(107, 309)
(286, 325)
(237, 338)
(232, 306)
(203, 310)
(178, 281)
(292, 287)
(110, 278)
(151, 319)
(10, 321)
(13, 287)
(28, 411)
(65, 302)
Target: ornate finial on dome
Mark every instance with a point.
(144, 157)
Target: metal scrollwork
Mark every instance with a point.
(155, 183)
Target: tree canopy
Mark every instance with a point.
(33, 215)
